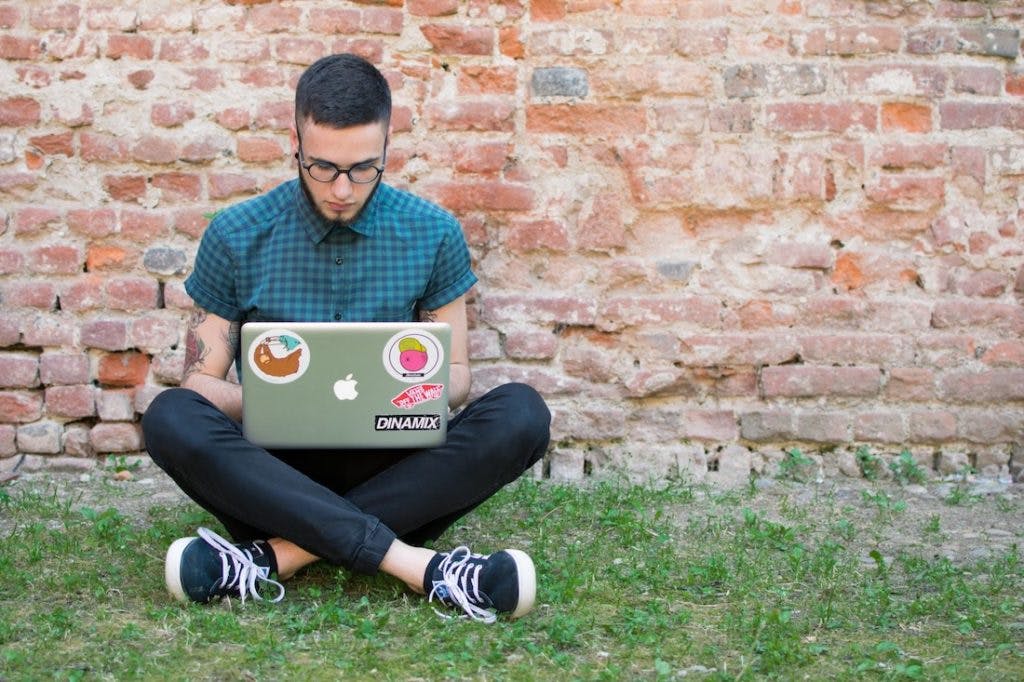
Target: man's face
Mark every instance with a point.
(341, 200)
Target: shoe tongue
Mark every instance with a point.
(431, 571)
(263, 555)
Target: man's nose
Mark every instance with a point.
(342, 186)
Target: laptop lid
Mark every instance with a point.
(345, 384)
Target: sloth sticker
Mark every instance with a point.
(278, 356)
(413, 356)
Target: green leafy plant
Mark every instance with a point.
(906, 470)
(796, 466)
(870, 465)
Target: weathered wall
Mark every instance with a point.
(704, 229)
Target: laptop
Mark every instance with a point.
(345, 385)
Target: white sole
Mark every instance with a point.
(527, 582)
(172, 568)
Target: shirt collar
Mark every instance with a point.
(317, 227)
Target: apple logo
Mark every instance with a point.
(345, 389)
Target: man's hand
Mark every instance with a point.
(209, 352)
(460, 379)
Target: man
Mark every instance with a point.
(338, 244)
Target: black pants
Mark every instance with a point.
(346, 507)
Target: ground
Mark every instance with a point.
(962, 520)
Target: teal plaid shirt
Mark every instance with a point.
(274, 258)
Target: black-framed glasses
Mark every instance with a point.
(325, 171)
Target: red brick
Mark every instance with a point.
(501, 308)
(978, 315)
(880, 427)
(454, 39)
(141, 79)
(849, 40)
(57, 143)
(116, 404)
(438, 8)
(276, 116)
(190, 222)
(17, 112)
(482, 116)
(1015, 83)
(510, 42)
(298, 50)
(773, 425)
(259, 149)
(131, 293)
(334, 20)
(62, 368)
(132, 46)
(932, 426)
(56, 259)
(589, 120)
(19, 370)
(103, 148)
(55, 17)
(19, 47)
(171, 114)
(10, 16)
(155, 150)
(482, 158)
(155, 332)
(822, 427)
(125, 187)
(547, 10)
(978, 80)
(984, 283)
(11, 261)
(204, 79)
(990, 427)
(798, 255)
(382, 20)
(100, 257)
(833, 118)
(227, 185)
(906, 117)
(7, 436)
(71, 401)
(487, 196)
(182, 49)
(1004, 354)
(975, 115)
(531, 345)
(202, 150)
(29, 294)
(143, 226)
(123, 369)
(262, 77)
(908, 192)
(20, 407)
(274, 18)
(176, 187)
(105, 334)
(713, 425)
(32, 220)
(49, 329)
(600, 225)
(116, 437)
(523, 236)
(33, 76)
(369, 49)
(625, 311)
(796, 381)
(901, 156)
(855, 348)
(983, 386)
(234, 119)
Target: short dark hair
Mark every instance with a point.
(340, 91)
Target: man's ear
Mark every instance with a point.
(294, 138)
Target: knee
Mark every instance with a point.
(526, 415)
(169, 421)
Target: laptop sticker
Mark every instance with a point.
(345, 389)
(278, 356)
(414, 395)
(407, 422)
(413, 356)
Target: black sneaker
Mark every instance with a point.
(504, 581)
(209, 567)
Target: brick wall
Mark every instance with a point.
(706, 231)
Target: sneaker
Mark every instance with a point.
(504, 581)
(208, 567)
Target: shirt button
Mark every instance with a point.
(339, 260)
(337, 316)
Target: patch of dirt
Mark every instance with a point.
(962, 520)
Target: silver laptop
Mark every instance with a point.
(345, 384)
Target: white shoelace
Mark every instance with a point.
(239, 562)
(460, 578)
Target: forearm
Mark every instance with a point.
(459, 382)
(225, 395)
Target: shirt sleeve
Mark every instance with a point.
(212, 282)
(452, 275)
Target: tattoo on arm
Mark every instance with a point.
(195, 350)
(234, 336)
(428, 316)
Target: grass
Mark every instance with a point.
(636, 583)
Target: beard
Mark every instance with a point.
(320, 211)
